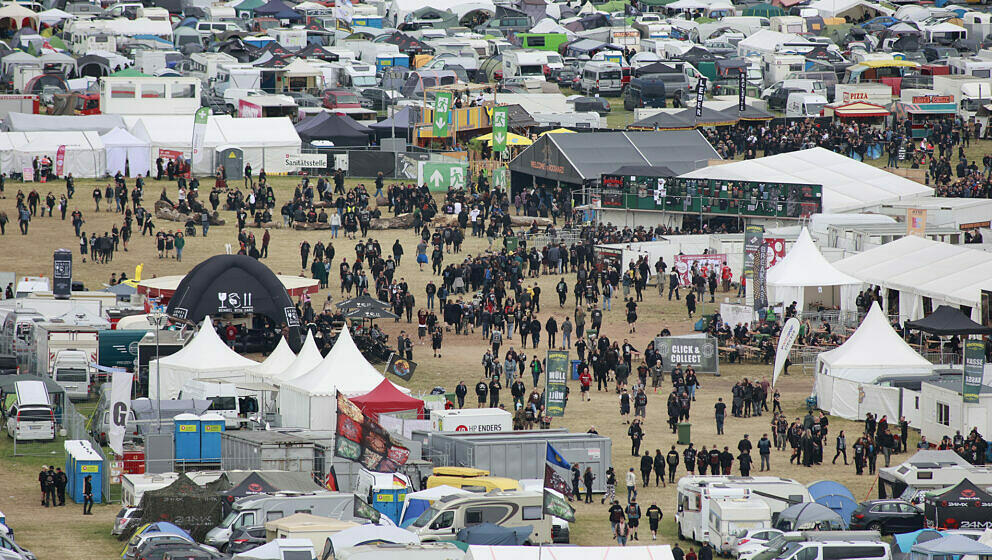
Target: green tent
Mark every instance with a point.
(764, 10)
(656, 3)
(249, 6)
(129, 73)
(57, 43)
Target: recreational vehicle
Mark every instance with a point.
(447, 516)
(262, 508)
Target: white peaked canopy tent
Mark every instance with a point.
(850, 379)
(126, 151)
(205, 356)
(799, 275)
(308, 358)
(277, 361)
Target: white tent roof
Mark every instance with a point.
(308, 358)
(84, 150)
(953, 274)
(26, 122)
(267, 131)
(53, 16)
(278, 360)
(873, 349)
(344, 369)
(832, 8)
(847, 184)
(121, 137)
(765, 41)
(17, 12)
(803, 265)
(548, 25)
(486, 552)
(273, 550)
(945, 27)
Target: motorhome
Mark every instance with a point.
(970, 66)
(30, 415)
(148, 61)
(48, 338)
(524, 64)
(448, 515)
(71, 369)
(729, 517)
(150, 96)
(28, 285)
(262, 508)
(601, 78)
(292, 39)
(208, 66)
(778, 493)
(929, 470)
(776, 67)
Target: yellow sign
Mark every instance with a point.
(384, 498)
(89, 468)
(187, 427)
(212, 428)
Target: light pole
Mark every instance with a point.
(158, 320)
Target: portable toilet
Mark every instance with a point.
(187, 437)
(82, 460)
(233, 160)
(385, 492)
(211, 426)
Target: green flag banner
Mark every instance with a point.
(974, 370)
(557, 367)
(556, 506)
(500, 123)
(442, 104)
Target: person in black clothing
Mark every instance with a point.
(659, 468)
(576, 478)
(50, 478)
(744, 461)
(88, 495)
(460, 391)
(726, 460)
(689, 457)
(61, 480)
(721, 414)
(481, 390)
(677, 553)
(654, 515)
(646, 465)
(636, 435)
(494, 388)
(673, 462)
(587, 478)
(705, 552)
(42, 476)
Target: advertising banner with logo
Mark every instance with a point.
(400, 367)
(790, 331)
(775, 250)
(364, 440)
(742, 91)
(60, 161)
(965, 506)
(303, 161)
(62, 274)
(916, 221)
(753, 238)
(683, 265)
(200, 131)
(700, 96)
(760, 284)
(557, 366)
(249, 110)
(120, 402)
(501, 121)
(700, 352)
(442, 104)
(974, 370)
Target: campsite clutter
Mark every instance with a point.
(453, 176)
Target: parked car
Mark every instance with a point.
(780, 97)
(245, 538)
(887, 517)
(179, 551)
(124, 516)
(10, 549)
(752, 539)
(592, 105)
(380, 98)
(8, 365)
(140, 540)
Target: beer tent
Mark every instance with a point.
(963, 506)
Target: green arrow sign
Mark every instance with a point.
(500, 121)
(443, 176)
(442, 104)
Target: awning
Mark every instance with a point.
(860, 109)
(930, 108)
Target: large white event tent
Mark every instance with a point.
(310, 400)
(850, 379)
(803, 272)
(308, 358)
(277, 361)
(84, 151)
(913, 268)
(127, 153)
(651, 552)
(847, 184)
(205, 356)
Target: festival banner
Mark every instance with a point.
(500, 124)
(557, 366)
(700, 95)
(363, 510)
(400, 367)
(363, 440)
(700, 352)
(916, 221)
(753, 238)
(761, 280)
(775, 247)
(120, 403)
(974, 370)
(556, 506)
(442, 104)
(555, 481)
(60, 161)
(742, 91)
(790, 331)
(200, 131)
(704, 264)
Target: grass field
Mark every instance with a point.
(63, 533)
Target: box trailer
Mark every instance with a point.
(51, 338)
(478, 420)
(519, 454)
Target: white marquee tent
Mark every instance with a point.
(918, 268)
(84, 151)
(847, 184)
(487, 552)
(29, 122)
(125, 151)
(277, 361)
(205, 356)
(803, 272)
(850, 379)
(308, 358)
(175, 132)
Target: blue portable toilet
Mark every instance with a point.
(385, 492)
(187, 437)
(211, 426)
(81, 460)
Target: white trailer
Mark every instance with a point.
(969, 92)
(150, 95)
(778, 493)
(730, 517)
(479, 420)
(48, 339)
(693, 500)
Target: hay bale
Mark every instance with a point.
(165, 211)
(403, 221)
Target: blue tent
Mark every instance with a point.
(165, 527)
(905, 541)
(277, 9)
(835, 496)
(489, 534)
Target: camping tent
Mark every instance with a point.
(958, 507)
(809, 516)
(417, 503)
(653, 552)
(277, 361)
(205, 356)
(340, 129)
(803, 273)
(401, 121)
(279, 549)
(906, 541)
(950, 546)
(250, 483)
(835, 496)
(278, 10)
(387, 398)
(848, 377)
(126, 151)
(192, 507)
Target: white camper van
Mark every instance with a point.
(601, 77)
(31, 416)
(262, 508)
(730, 517)
(71, 370)
(447, 516)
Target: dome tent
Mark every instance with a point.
(809, 516)
(236, 284)
(205, 356)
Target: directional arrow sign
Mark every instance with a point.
(442, 176)
(436, 178)
(500, 119)
(442, 104)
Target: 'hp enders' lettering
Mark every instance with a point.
(686, 354)
(480, 428)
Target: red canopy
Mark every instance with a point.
(387, 398)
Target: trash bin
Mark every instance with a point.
(685, 433)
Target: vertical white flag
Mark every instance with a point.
(200, 119)
(120, 405)
(790, 331)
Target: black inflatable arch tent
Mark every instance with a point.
(235, 284)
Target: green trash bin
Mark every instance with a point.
(685, 433)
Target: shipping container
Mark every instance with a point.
(520, 454)
(267, 450)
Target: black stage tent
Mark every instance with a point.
(235, 284)
(947, 321)
(576, 159)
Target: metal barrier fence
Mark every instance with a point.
(539, 240)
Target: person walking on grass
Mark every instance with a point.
(654, 515)
(88, 495)
(633, 511)
(841, 448)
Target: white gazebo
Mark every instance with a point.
(803, 275)
(277, 361)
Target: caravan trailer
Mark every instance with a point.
(778, 493)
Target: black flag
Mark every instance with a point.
(742, 94)
(700, 95)
(400, 367)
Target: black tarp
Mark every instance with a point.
(655, 68)
(278, 10)
(964, 506)
(340, 129)
(644, 171)
(947, 321)
(494, 535)
(186, 504)
(235, 284)
(408, 44)
(249, 484)
(313, 50)
(401, 120)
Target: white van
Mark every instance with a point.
(447, 516)
(836, 550)
(222, 395)
(31, 284)
(601, 77)
(31, 416)
(804, 105)
(71, 370)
